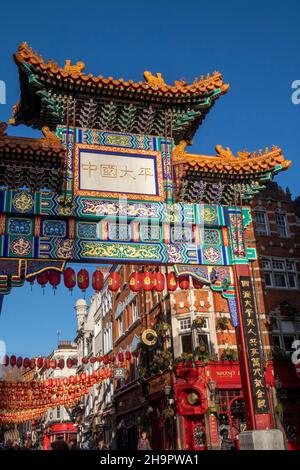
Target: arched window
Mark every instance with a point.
(281, 223)
(261, 219)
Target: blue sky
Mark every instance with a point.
(255, 44)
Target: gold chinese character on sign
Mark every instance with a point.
(89, 167)
(253, 342)
(258, 383)
(261, 403)
(247, 295)
(254, 352)
(145, 172)
(259, 393)
(126, 172)
(108, 171)
(245, 283)
(257, 372)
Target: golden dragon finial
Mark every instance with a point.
(76, 68)
(154, 80)
(50, 137)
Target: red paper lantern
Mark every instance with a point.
(54, 279)
(136, 353)
(32, 364)
(71, 379)
(128, 355)
(105, 359)
(184, 282)
(53, 363)
(26, 362)
(69, 278)
(114, 281)
(69, 363)
(61, 363)
(31, 280)
(19, 362)
(93, 360)
(197, 284)
(112, 359)
(83, 279)
(13, 361)
(43, 278)
(40, 362)
(135, 281)
(5, 360)
(97, 280)
(159, 282)
(85, 360)
(147, 281)
(172, 281)
(47, 363)
(121, 357)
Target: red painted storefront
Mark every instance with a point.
(199, 429)
(60, 431)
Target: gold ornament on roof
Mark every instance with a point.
(225, 153)
(76, 68)
(154, 80)
(3, 127)
(50, 137)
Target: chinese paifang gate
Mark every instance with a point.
(111, 181)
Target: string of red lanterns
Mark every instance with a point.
(22, 400)
(41, 362)
(138, 281)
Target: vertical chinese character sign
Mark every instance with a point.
(253, 345)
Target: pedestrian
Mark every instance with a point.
(226, 441)
(143, 442)
(59, 445)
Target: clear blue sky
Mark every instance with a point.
(255, 44)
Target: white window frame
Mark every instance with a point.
(280, 266)
(262, 228)
(282, 229)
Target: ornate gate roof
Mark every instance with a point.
(107, 103)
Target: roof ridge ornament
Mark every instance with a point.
(78, 67)
(156, 80)
(3, 127)
(225, 153)
(50, 137)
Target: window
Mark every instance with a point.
(134, 309)
(58, 412)
(185, 332)
(280, 280)
(279, 272)
(261, 222)
(186, 343)
(284, 332)
(185, 324)
(120, 326)
(281, 224)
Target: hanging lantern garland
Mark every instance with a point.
(138, 281)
